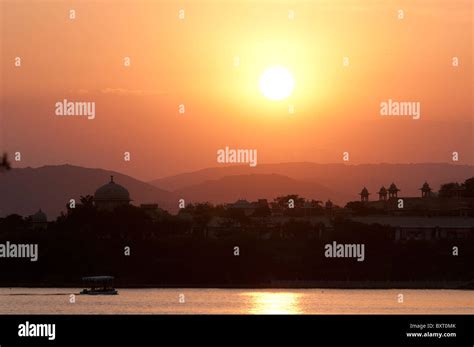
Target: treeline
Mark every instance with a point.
(170, 251)
(452, 189)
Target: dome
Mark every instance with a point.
(426, 186)
(39, 217)
(393, 187)
(112, 192)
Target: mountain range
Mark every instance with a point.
(339, 182)
(25, 190)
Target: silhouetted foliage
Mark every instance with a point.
(87, 201)
(12, 223)
(178, 249)
(453, 189)
(262, 211)
(449, 190)
(282, 201)
(469, 188)
(361, 209)
(4, 163)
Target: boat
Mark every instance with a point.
(98, 285)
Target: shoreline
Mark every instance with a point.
(372, 285)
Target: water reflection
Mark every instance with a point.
(273, 302)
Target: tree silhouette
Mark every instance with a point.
(202, 213)
(87, 201)
(449, 190)
(262, 211)
(282, 201)
(469, 185)
(4, 163)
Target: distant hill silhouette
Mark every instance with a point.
(345, 180)
(253, 187)
(25, 190)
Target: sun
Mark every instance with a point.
(276, 83)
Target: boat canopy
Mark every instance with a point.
(98, 278)
(98, 281)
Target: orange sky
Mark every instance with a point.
(191, 62)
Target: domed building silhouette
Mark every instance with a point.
(383, 193)
(393, 191)
(111, 195)
(429, 204)
(426, 190)
(39, 220)
(364, 195)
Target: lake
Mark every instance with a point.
(237, 301)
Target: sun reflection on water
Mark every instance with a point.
(273, 302)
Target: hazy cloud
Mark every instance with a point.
(122, 91)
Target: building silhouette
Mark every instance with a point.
(111, 195)
(383, 194)
(39, 220)
(364, 195)
(426, 190)
(428, 203)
